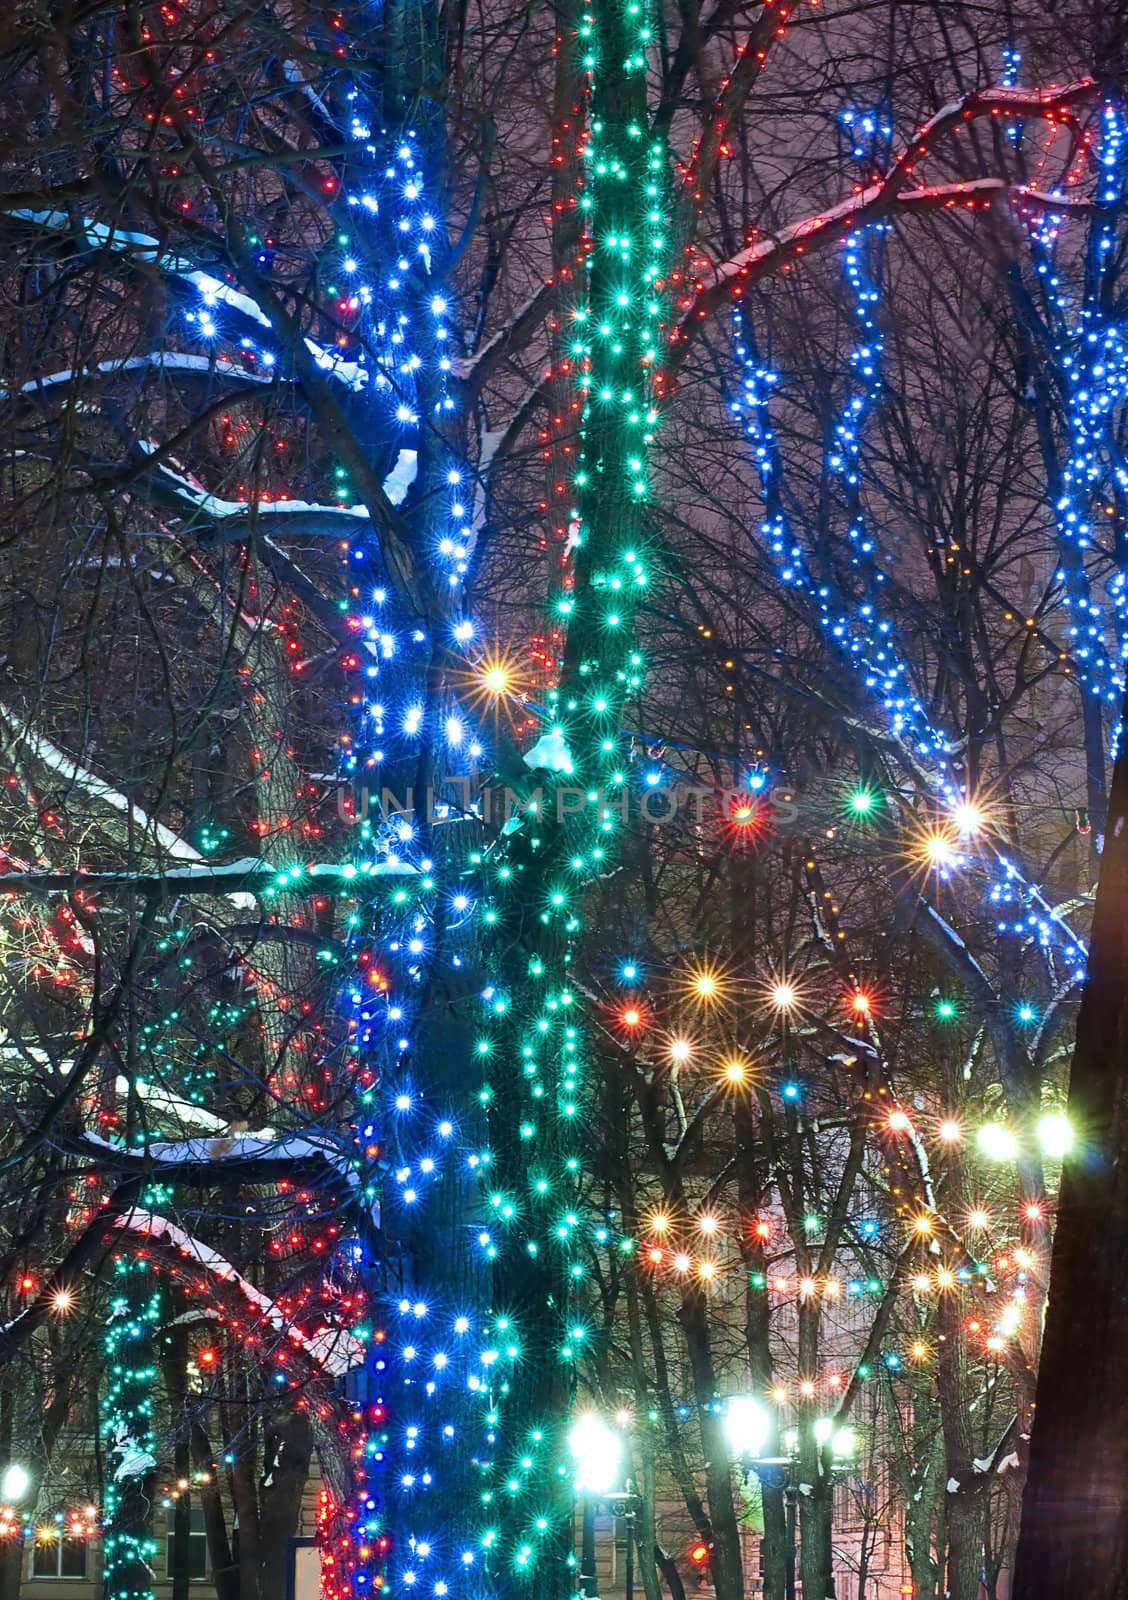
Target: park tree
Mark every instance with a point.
(334, 343)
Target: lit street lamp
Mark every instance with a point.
(14, 1484)
(750, 1427)
(597, 1451)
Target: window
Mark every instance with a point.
(60, 1556)
(197, 1545)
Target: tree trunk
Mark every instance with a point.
(11, 1569)
(224, 1572)
(725, 1563)
(1074, 1534)
(964, 1509)
(287, 1452)
(816, 1522)
(175, 1375)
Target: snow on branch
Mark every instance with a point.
(201, 878)
(163, 1101)
(890, 194)
(212, 1161)
(294, 516)
(333, 1350)
(156, 361)
(213, 290)
(29, 738)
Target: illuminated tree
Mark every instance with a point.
(292, 357)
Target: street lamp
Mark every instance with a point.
(597, 1451)
(14, 1484)
(750, 1426)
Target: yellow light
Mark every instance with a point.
(945, 1278)
(832, 1288)
(861, 1004)
(779, 1396)
(950, 1131)
(783, 996)
(1024, 1259)
(707, 1224)
(660, 1223)
(496, 679)
(735, 1071)
(922, 1283)
(899, 1122)
(705, 983)
(978, 1219)
(680, 1050)
(937, 849)
(919, 1351)
(62, 1300)
(995, 1343)
(923, 1225)
(682, 1263)
(708, 1269)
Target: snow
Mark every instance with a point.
(167, 360)
(82, 778)
(333, 1349)
(550, 754)
(135, 1461)
(489, 445)
(220, 509)
(463, 366)
(213, 289)
(402, 476)
(162, 1099)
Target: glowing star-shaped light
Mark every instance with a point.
(950, 1131)
(496, 678)
(898, 1122)
(937, 850)
(680, 1050)
(783, 995)
(968, 818)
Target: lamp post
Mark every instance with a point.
(597, 1451)
(14, 1484)
(750, 1426)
